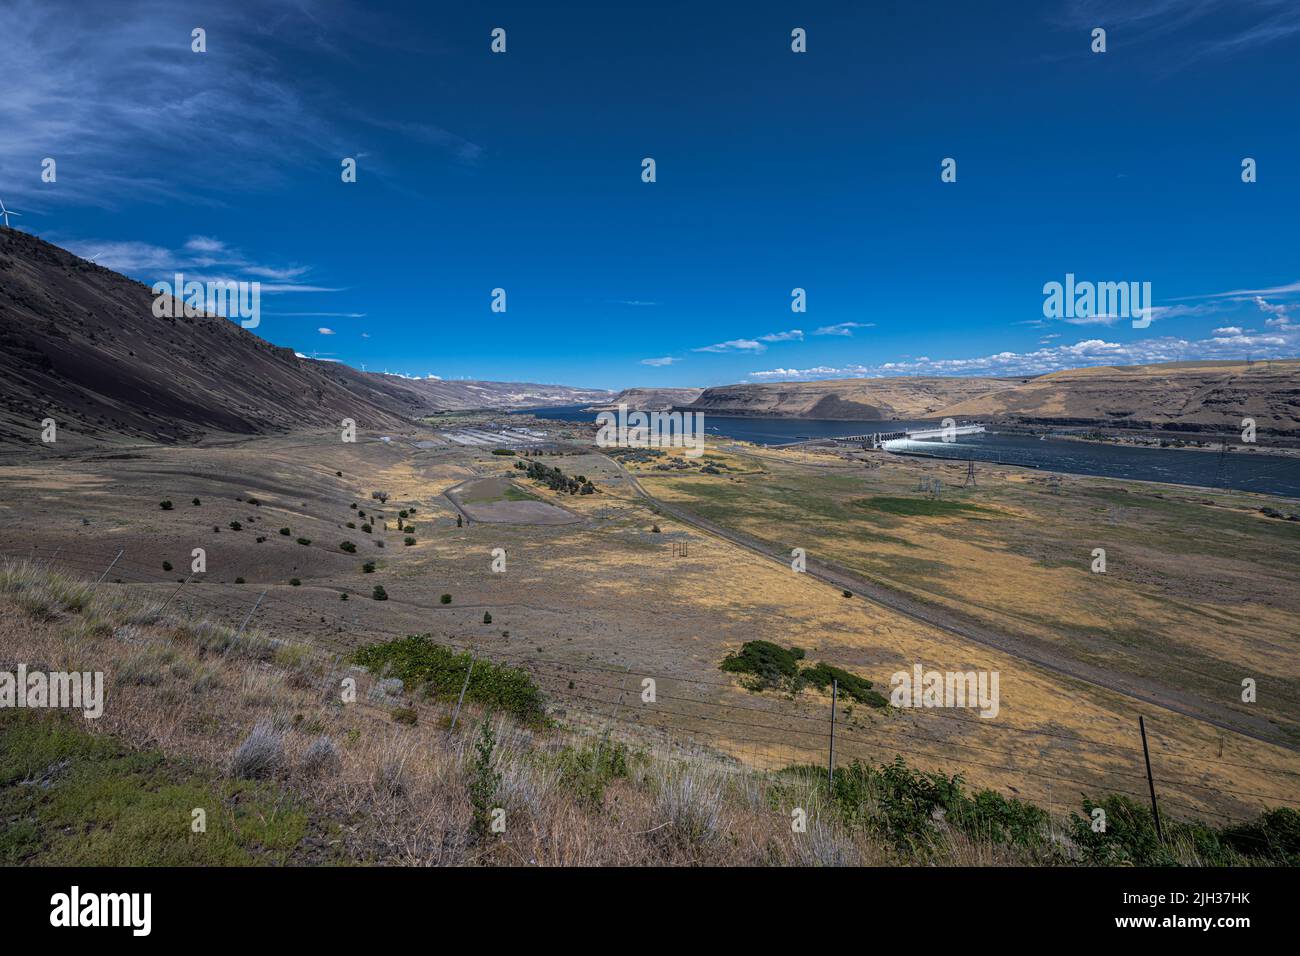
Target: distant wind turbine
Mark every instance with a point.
(6, 213)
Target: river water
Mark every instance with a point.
(1241, 469)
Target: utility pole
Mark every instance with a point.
(1155, 810)
(247, 617)
(107, 569)
(463, 687)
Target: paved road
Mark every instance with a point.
(1021, 646)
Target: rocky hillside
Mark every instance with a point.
(865, 399)
(1182, 396)
(80, 344)
(650, 399)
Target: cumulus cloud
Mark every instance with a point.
(1234, 344)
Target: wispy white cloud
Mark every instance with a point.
(1226, 27)
(115, 94)
(324, 315)
(659, 362)
(758, 344)
(201, 258)
(843, 328)
(325, 331)
(734, 345)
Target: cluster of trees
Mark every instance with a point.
(555, 479)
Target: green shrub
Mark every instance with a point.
(379, 593)
(236, 526)
(416, 660)
(368, 567)
(348, 546)
(286, 532)
(295, 582)
(167, 565)
(768, 664)
(304, 541)
(445, 599)
(483, 782)
(487, 617)
(850, 685)
(165, 505)
(240, 581)
(902, 805)
(408, 541)
(502, 451)
(196, 502)
(587, 770)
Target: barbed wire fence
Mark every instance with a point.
(680, 717)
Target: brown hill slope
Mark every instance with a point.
(80, 344)
(1181, 396)
(866, 399)
(650, 399)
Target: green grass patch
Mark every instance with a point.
(849, 685)
(441, 671)
(72, 798)
(919, 507)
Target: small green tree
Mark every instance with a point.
(483, 782)
(487, 617)
(165, 505)
(379, 593)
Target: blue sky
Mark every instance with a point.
(775, 170)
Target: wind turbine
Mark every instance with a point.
(6, 213)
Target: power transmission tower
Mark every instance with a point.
(970, 474)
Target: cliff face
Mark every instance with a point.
(1209, 397)
(1182, 396)
(860, 399)
(650, 399)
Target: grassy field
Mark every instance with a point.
(254, 732)
(1199, 589)
(628, 593)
